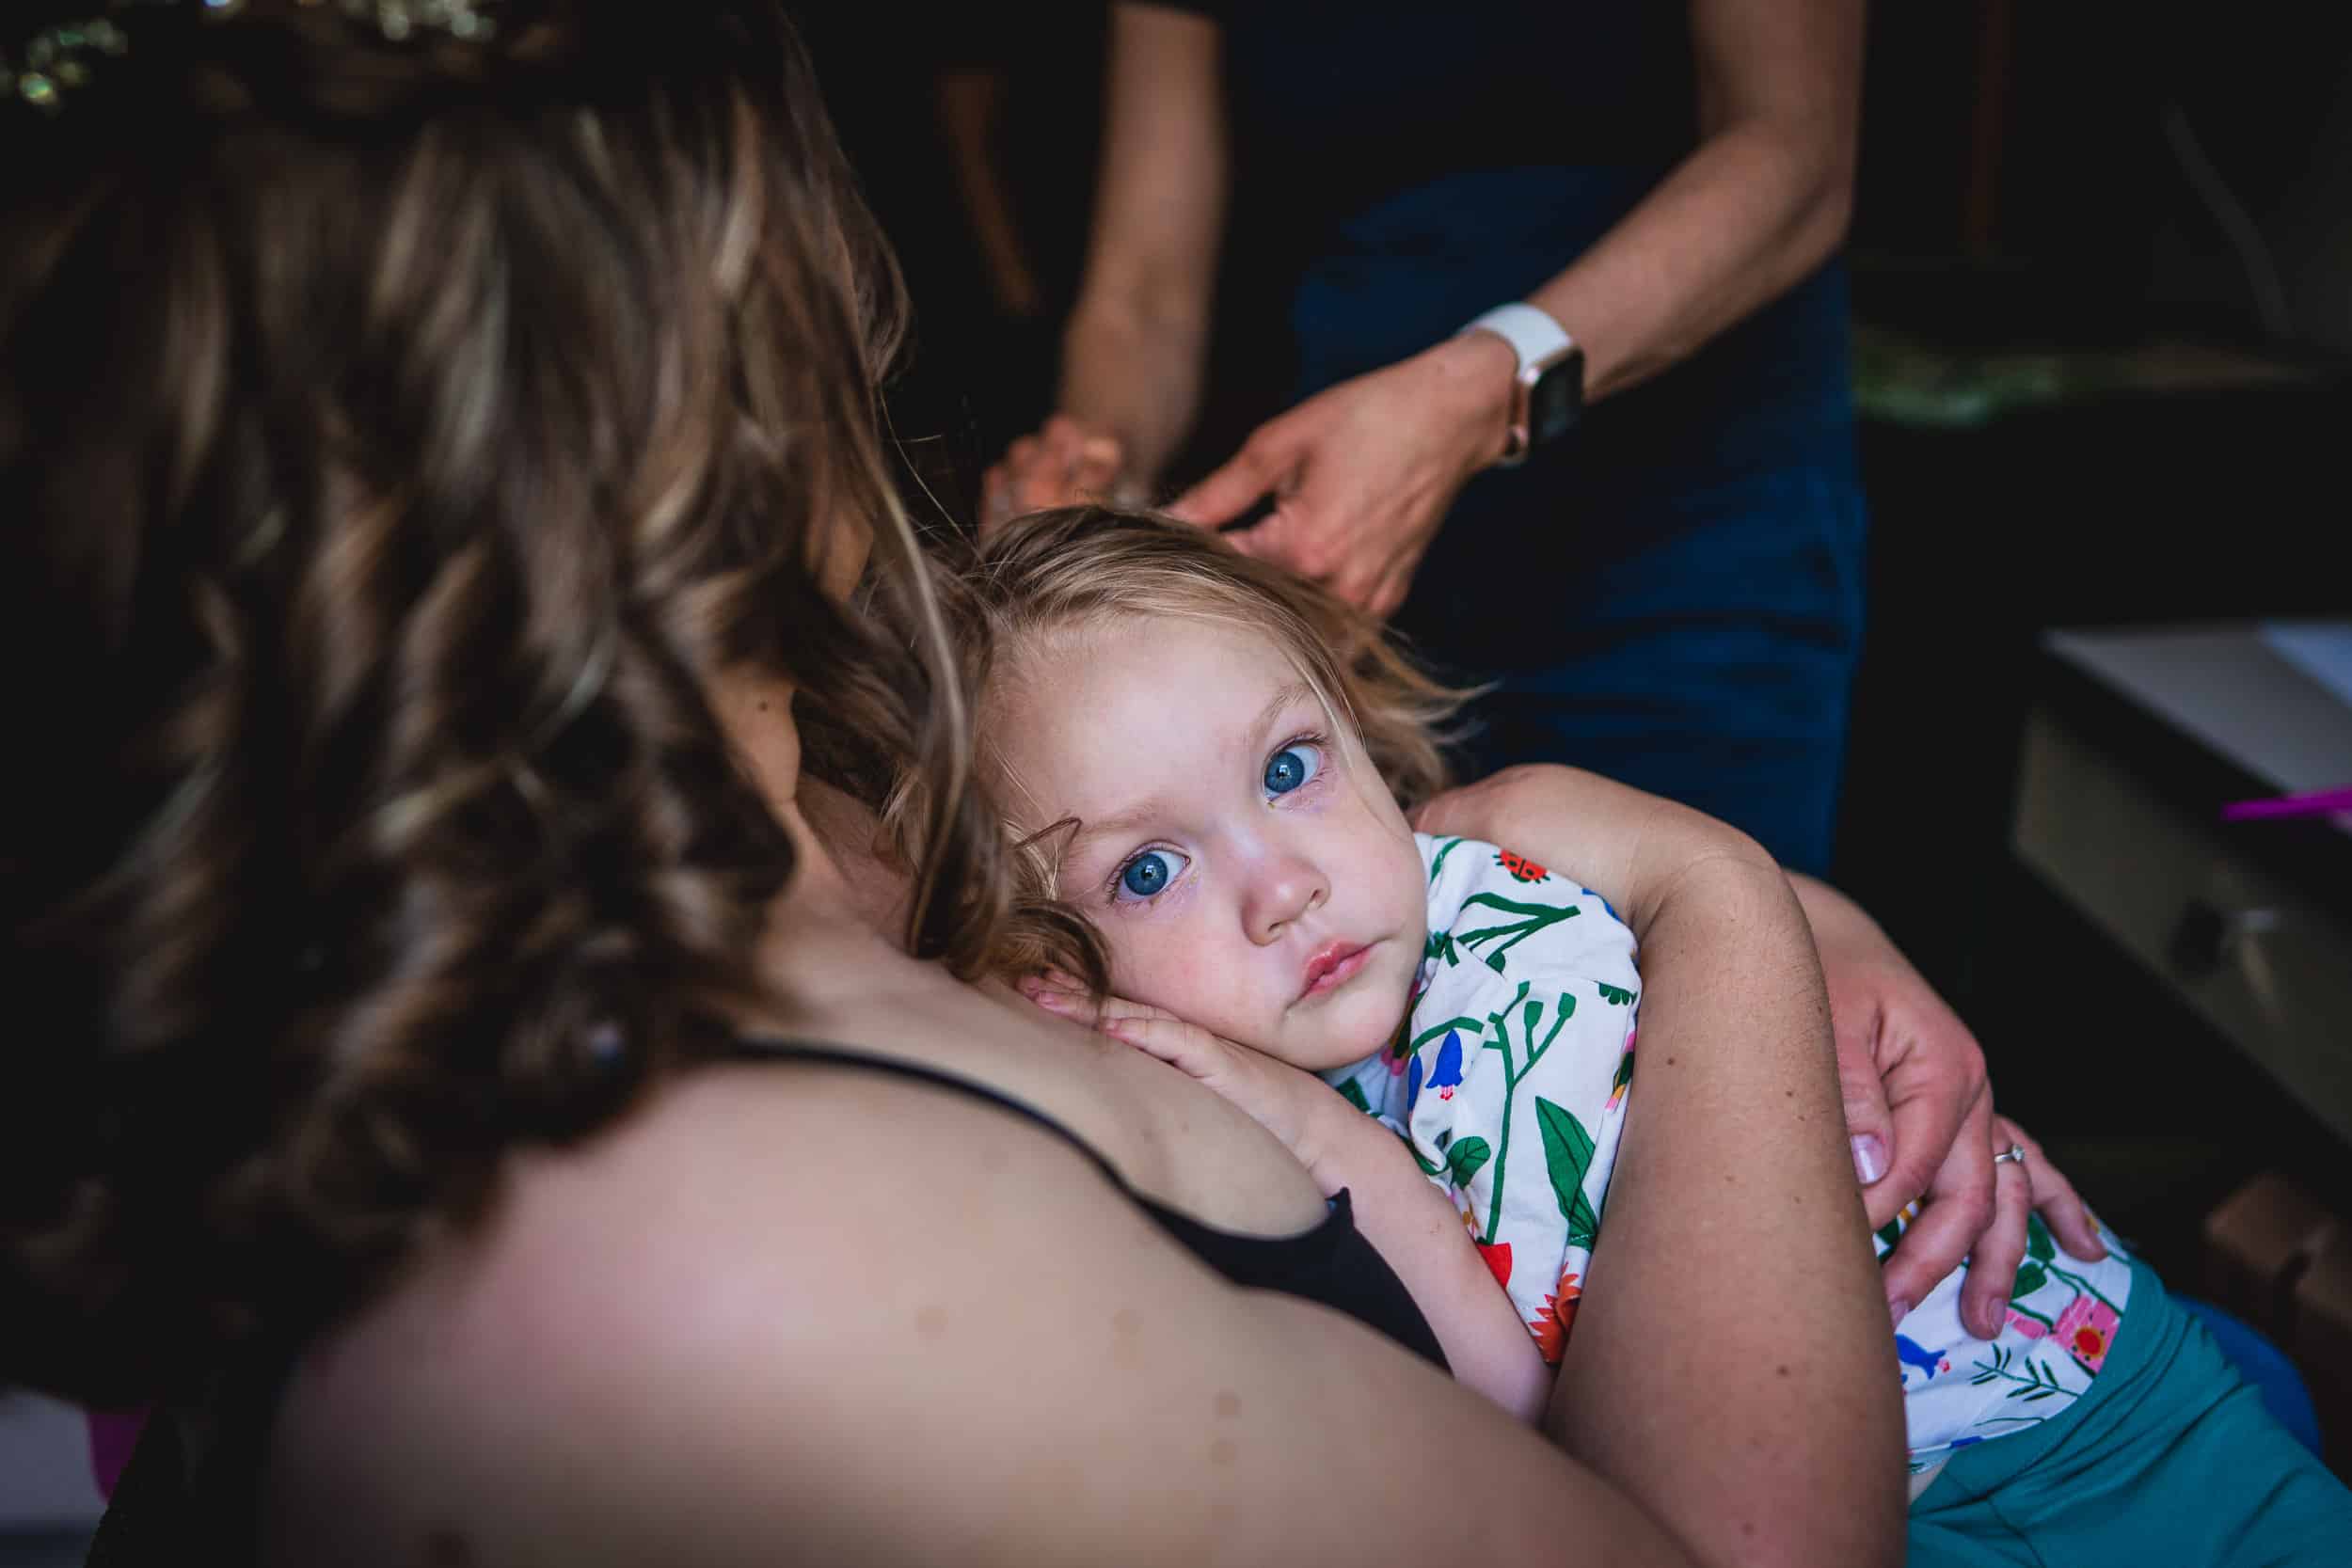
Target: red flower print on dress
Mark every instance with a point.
(1520, 866)
(1555, 1318)
(1498, 1257)
(2087, 1329)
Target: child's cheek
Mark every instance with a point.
(1177, 974)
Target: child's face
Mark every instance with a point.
(1246, 868)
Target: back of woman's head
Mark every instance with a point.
(405, 412)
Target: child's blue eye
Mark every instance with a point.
(1295, 764)
(1148, 875)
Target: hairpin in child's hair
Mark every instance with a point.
(61, 57)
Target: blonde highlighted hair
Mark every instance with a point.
(1053, 572)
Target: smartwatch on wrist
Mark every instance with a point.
(1548, 397)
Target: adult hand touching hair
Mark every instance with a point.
(1363, 474)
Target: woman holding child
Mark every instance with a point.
(464, 1083)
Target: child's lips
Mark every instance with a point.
(1332, 966)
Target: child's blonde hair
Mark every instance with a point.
(1049, 574)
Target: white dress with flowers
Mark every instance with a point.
(1509, 1080)
(1509, 1076)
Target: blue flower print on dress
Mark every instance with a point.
(1446, 1076)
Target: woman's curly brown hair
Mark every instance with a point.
(397, 438)
(1012, 601)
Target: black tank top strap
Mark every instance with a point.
(771, 1048)
(1330, 1262)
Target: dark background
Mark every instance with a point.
(2102, 261)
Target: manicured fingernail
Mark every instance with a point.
(1052, 1001)
(1897, 1308)
(1869, 1157)
(1989, 1323)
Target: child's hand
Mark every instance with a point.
(1284, 1100)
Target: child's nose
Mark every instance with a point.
(1287, 888)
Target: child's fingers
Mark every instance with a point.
(1181, 1045)
(1118, 1007)
(1058, 994)
(1062, 995)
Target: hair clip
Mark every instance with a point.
(59, 58)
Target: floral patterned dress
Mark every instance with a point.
(1509, 1081)
(1509, 1076)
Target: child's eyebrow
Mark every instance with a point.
(1296, 692)
(1117, 825)
(1120, 823)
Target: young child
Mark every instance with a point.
(1203, 759)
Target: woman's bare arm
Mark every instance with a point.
(1764, 198)
(1734, 1234)
(1137, 340)
(1734, 1268)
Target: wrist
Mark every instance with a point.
(1478, 375)
(1334, 1140)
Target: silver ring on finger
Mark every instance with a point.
(2013, 1153)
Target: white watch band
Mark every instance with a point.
(1532, 335)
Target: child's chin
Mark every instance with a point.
(1358, 1025)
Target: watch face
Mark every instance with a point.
(1555, 401)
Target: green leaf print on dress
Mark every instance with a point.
(1532, 1051)
(1567, 1154)
(1532, 919)
(1464, 1159)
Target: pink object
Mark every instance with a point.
(2319, 802)
(2087, 1330)
(113, 1434)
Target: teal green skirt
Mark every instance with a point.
(2168, 1459)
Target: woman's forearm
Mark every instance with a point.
(1728, 1366)
(1132, 368)
(1733, 1280)
(1418, 1232)
(1133, 353)
(1760, 202)
(1742, 219)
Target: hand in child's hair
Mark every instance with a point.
(1064, 464)
(1284, 1100)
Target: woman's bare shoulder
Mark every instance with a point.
(747, 1219)
(843, 1317)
